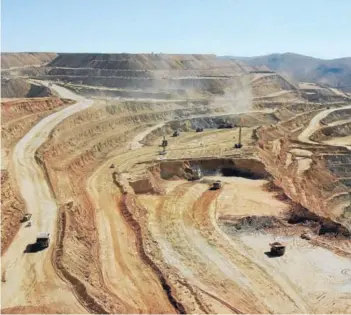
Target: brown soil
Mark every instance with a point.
(132, 234)
(17, 118)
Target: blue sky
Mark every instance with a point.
(320, 28)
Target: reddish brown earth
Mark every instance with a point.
(18, 116)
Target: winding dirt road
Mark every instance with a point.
(30, 277)
(314, 125)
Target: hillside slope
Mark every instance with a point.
(334, 72)
(9, 60)
(20, 88)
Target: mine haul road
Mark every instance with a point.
(30, 277)
(314, 125)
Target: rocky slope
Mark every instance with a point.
(15, 60)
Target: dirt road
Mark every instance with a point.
(30, 277)
(314, 125)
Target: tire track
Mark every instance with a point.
(204, 221)
(196, 253)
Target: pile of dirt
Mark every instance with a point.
(249, 224)
(18, 88)
(318, 224)
(148, 184)
(294, 221)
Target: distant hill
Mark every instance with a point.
(333, 72)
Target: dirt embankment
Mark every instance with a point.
(251, 168)
(337, 116)
(69, 158)
(330, 132)
(9, 60)
(211, 122)
(13, 88)
(18, 117)
(310, 175)
(149, 73)
(272, 84)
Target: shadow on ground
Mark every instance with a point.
(33, 248)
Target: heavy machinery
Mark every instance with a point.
(238, 145)
(216, 185)
(198, 129)
(225, 125)
(26, 217)
(277, 249)
(196, 175)
(43, 240)
(176, 133)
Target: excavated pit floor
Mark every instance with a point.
(185, 223)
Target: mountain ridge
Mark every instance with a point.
(332, 72)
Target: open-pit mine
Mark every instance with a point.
(153, 183)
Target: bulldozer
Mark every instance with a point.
(277, 249)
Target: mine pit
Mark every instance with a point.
(189, 230)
